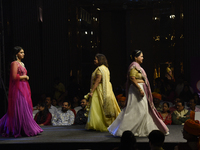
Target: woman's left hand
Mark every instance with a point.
(90, 94)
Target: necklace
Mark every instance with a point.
(21, 63)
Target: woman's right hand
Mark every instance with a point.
(27, 77)
(142, 93)
(90, 94)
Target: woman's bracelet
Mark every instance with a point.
(140, 89)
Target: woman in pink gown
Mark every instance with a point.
(18, 121)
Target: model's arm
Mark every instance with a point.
(132, 77)
(14, 74)
(96, 83)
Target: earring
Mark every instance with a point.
(16, 57)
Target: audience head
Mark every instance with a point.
(156, 98)
(180, 105)
(128, 141)
(176, 100)
(100, 59)
(165, 107)
(76, 99)
(43, 107)
(43, 97)
(66, 106)
(83, 103)
(196, 97)
(192, 104)
(54, 102)
(156, 138)
(186, 89)
(121, 100)
(191, 130)
(48, 101)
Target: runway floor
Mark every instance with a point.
(76, 137)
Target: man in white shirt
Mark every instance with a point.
(64, 117)
(52, 109)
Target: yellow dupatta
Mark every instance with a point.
(105, 91)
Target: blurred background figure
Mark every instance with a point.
(156, 100)
(121, 101)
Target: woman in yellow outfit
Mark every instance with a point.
(103, 105)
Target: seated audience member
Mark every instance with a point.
(156, 100)
(43, 117)
(76, 104)
(172, 109)
(54, 103)
(121, 101)
(192, 106)
(180, 115)
(156, 140)
(80, 116)
(169, 94)
(128, 141)
(52, 109)
(165, 114)
(64, 117)
(186, 94)
(196, 98)
(191, 132)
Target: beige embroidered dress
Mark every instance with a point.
(103, 105)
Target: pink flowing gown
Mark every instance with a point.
(18, 121)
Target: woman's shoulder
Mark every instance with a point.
(14, 62)
(102, 66)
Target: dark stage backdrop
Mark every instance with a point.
(44, 41)
(44, 37)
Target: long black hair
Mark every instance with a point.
(134, 54)
(16, 50)
(42, 116)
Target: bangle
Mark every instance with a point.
(140, 89)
